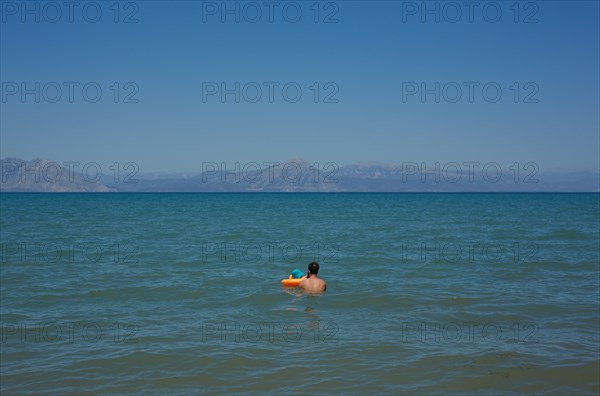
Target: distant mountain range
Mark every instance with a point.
(40, 175)
(298, 175)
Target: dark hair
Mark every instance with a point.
(313, 268)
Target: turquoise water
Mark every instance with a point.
(180, 293)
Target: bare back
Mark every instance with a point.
(314, 284)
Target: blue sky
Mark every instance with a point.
(365, 61)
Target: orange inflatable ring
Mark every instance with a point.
(291, 282)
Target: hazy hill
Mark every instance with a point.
(41, 175)
(299, 175)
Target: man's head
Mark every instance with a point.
(313, 268)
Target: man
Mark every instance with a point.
(312, 283)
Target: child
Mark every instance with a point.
(297, 274)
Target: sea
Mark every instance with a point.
(175, 293)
